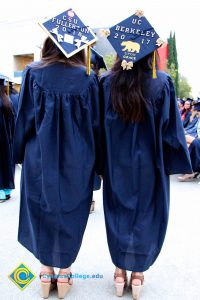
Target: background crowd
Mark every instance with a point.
(190, 116)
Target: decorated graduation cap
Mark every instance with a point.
(70, 34)
(133, 39)
(97, 59)
(4, 80)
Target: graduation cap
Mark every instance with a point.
(196, 105)
(181, 101)
(97, 59)
(133, 39)
(69, 33)
(5, 81)
(189, 100)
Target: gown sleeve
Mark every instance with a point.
(175, 152)
(25, 117)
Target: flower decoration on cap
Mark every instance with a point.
(159, 42)
(127, 65)
(104, 32)
(139, 13)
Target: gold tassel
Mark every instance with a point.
(88, 60)
(154, 75)
(8, 88)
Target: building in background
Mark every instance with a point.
(21, 45)
(163, 56)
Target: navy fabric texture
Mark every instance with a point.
(194, 150)
(6, 154)
(97, 183)
(191, 128)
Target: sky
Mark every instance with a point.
(176, 15)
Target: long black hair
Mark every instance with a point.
(127, 89)
(7, 106)
(51, 54)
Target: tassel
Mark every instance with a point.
(154, 75)
(88, 60)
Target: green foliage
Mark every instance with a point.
(172, 63)
(170, 51)
(184, 87)
(176, 80)
(109, 60)
(171, 70)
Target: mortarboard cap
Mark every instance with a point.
(189, 100)
(4, 80)
(181, 101)
(68, 32)
(97, 59)
(196, 105)
(133, 39)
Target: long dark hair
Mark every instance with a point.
(51, 54)
(7, 106)
(127, 95)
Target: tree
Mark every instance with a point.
(184, 87)
(170, 51)
(176, 80)
(109, 60)
(172, 63)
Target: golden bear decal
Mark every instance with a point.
(131, 46)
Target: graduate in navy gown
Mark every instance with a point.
(6, 141)
(193, 125)
(193, 142)
(194, 150)
(57, 140)
(145, 143)
(186, 112)
(14, 97)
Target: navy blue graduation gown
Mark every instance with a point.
(186, 121)
(97, 183)
(56, 139)
(194, 150)
(191, 128)
(15, 100)
(6, 143)
(139, 159)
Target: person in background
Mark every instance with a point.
(191, 129)
(193, 142)
(97, 63)
(58, 141)
(145, 143)
(180, 104)
(6, 141)
(14, 97)
(186, 112)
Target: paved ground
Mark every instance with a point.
(174, 276)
